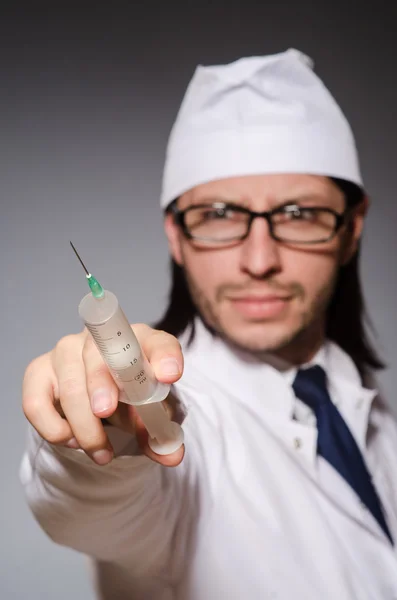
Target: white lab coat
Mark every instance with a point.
(251, 513)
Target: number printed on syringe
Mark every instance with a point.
(123, 356)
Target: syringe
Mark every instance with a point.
(132, 372)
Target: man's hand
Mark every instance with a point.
(67, 392)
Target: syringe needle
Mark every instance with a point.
(82, 264)
(95, 286)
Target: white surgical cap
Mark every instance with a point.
(257, 115)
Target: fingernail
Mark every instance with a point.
(102, 457)
(101, 400)
(169, 366)
(72, 443)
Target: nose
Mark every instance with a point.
(260, 253)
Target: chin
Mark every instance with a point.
(260, 337)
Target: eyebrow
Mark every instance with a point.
(222, 199)
(307, 199)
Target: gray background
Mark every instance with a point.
(86, 103)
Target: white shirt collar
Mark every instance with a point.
(289, 372)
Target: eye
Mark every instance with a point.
(298, 213)
(214, 214)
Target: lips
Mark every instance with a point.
(258, 298)
(260, 306)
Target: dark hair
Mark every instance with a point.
(347, 318)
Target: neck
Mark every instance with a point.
(299, 350)
(304, 346)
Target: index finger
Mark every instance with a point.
(87, 428)
(162, 350)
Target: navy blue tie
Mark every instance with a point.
(335, 443)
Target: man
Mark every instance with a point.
(288, 485)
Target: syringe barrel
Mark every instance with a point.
(120, 349)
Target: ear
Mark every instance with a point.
(174, 238)
(355, 226)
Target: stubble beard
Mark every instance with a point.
(295, 345)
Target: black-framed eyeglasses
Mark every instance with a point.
(222, 223)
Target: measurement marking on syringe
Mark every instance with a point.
(113, 353)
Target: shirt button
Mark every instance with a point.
(297, 443)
